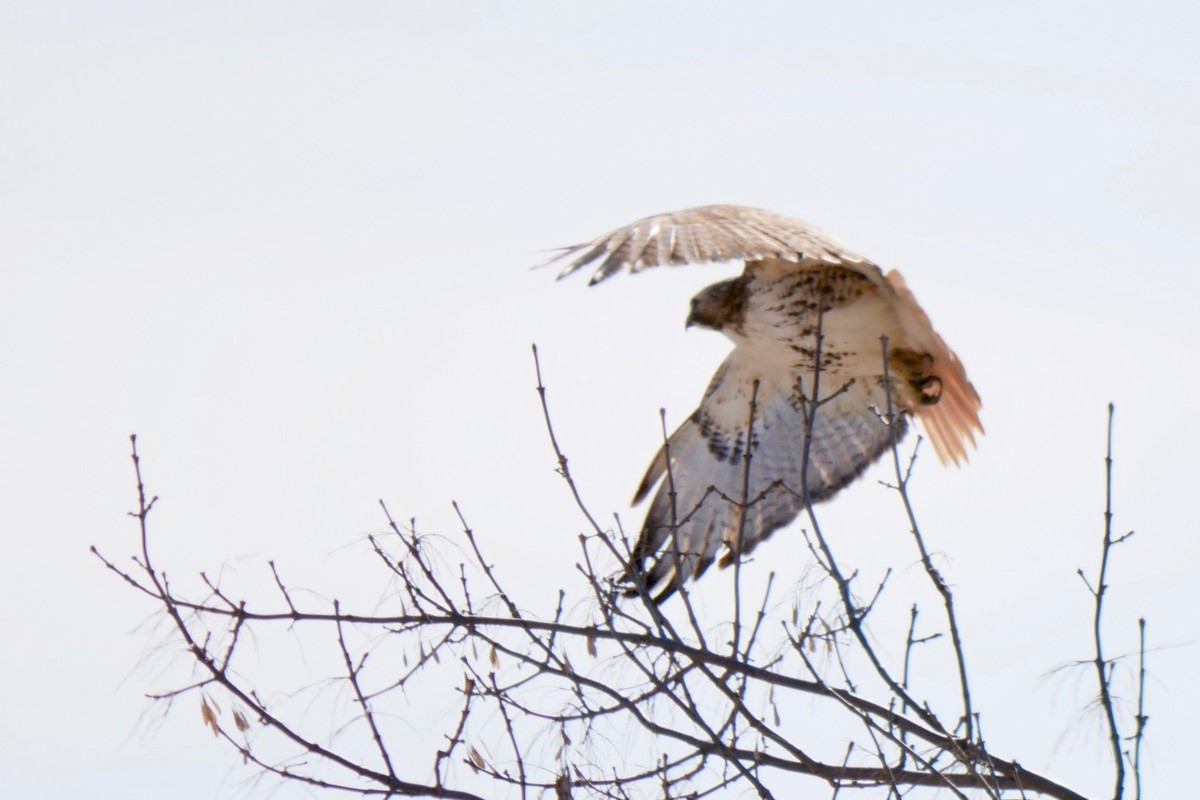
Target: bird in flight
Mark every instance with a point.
(806, 400)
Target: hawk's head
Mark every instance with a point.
(720, 306)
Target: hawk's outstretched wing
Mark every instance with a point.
(722, 505)
(705, 234)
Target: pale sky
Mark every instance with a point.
(288, 245)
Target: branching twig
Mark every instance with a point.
(711, 715)
(1103, 674)
(935, 576)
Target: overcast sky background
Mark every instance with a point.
(288, 244)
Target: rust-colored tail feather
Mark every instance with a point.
(952, 422)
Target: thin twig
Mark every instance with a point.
(1141, 719)
(742, 509)
(935, 576)
(1103, 674)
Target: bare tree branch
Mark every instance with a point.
(551, 705)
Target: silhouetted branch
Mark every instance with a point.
(1141, 719)
(935, 577)
(566, 704)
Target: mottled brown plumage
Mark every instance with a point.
(805, 315)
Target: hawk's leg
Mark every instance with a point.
(916, 369)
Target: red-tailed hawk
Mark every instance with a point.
(805, 313)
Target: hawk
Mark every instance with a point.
(803, 404)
